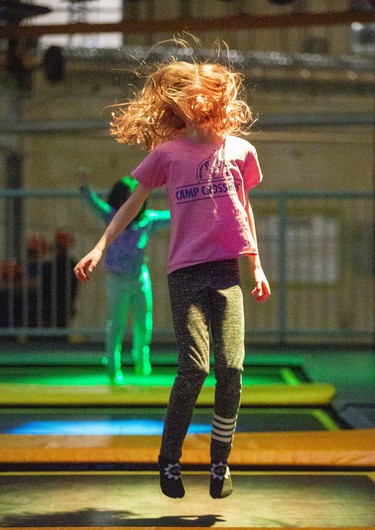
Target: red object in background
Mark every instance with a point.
(38, 245)
(64, 239)
(11, 270)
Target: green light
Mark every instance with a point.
(289, 376)
(325, 420)
(160, 376)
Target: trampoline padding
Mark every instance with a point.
(347, 448)
(267, 395)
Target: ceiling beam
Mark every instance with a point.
(329, 18)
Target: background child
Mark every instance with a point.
(129, 288)
(190, 116)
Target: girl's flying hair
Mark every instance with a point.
(180, 93)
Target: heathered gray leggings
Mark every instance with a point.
(206, 297)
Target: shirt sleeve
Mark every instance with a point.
(252, 173)
(150, 172)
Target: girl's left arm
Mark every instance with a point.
(262, 289)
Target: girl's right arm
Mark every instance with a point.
(123, 217)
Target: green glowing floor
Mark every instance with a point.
(54, 366)
(161, 376)
(265, 375)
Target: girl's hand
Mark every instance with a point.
(262, 289)
(87, 264)
(83, 176)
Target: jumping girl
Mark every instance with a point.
(190, 117)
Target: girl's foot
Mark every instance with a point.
(170, 478)
(221, 482)
(117, 378)
(143, 369)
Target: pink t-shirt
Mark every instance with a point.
(207, 186)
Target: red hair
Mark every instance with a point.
(181, 93)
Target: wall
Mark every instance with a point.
(300, 158)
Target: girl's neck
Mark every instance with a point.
(202, 135)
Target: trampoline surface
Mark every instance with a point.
(53, 487)
(161, 375)
(133, 499)
(80, 386)
(149, 421)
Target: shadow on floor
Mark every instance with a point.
(95, 518)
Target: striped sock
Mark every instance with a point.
(223, 429)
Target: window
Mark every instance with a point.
(311, 247)
(91, 11)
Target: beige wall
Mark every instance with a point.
(338, 158)
(315, 157)
(274, 39)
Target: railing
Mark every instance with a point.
(316, 249)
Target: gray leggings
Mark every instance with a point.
(206, 298)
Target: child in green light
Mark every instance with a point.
(129, 286)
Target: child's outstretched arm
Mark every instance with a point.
(262, 289)
(123, 217)
(100, 208)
